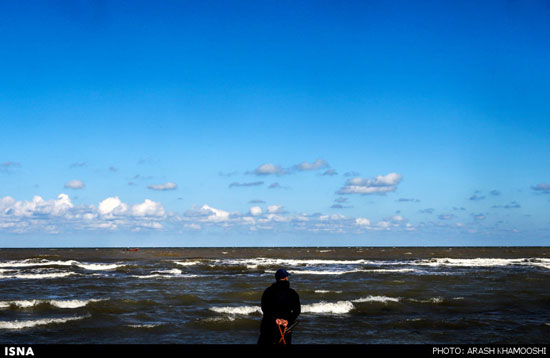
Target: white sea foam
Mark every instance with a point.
(253, 263)
(166, 274)
(35, 262)
(55, 303)
(39, 276)
(262, 261)
(44, 262)
(240, 310)
(169, 272)
(484, 262)
(73, 303)
(20, 303)
(14, 325)
(383, 299)
(429, 300)
(99, 267)
(323, 307)
(394, 270)
(339, 307)
(326, 272)
(327, 291)
(544, 263)
(342, 307)
(187, 263)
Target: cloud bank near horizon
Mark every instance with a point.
(61, 215)
(112, 214)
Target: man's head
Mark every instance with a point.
(281, 275)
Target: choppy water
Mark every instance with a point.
(212, 295)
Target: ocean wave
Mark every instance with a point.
(99, 267)
(44, 262)
(344, 271)
(383, 299)
(56, 303)
(392, 270)
(343, 307)
(15, 325)
(484, 262)
(379, 265)
(325, 272)
(340, 267)
(239, 310)
(339, 307)
(323, 307)
(38, 276)
(432, 300)
(188, 263)
(169, 273)
(263, 261)
(327, 291)
(36, 262)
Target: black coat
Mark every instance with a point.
(278, 301)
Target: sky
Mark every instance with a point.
(274, 123)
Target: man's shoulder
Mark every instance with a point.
(270, 289)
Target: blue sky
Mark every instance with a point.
(266, 123)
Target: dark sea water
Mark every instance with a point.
(355, 295)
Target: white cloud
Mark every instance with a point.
(376, 185)
(362, 221)
(162, 187)
(272, 169)
(148, 208)
(255, 211)
(112, 205)
(398, 218)
(383, 224)
(74, 184)
(317, 164)
(269, 169)
(38, 206)
(207, 214)
(272, 209)
(193, 226)
(60, 215)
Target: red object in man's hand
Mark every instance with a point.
(281, 322)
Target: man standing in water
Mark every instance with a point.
(281, 307)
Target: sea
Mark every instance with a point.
(349, 295)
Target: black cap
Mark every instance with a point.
(281, 273)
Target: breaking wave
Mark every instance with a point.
(34, 276)
(15, 325)
(55, 303)
(338, 307)
(44, 262)
(171, 273)
(484, 262)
